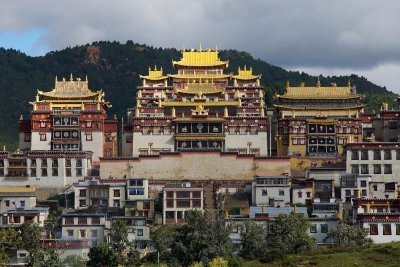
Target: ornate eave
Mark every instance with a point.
(246, 74)
(200, 88)
(154, 75)
(200, 76)
(193, 104)
(200, 58)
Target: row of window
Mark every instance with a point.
(323, 228)
(81, 220)
(184, 194)
(377, 169)
(54, 162)
(98, 202)
(387, 229)
(195, 203)
(99, 193)
(54, 172)
(377, 155)
(264, 192)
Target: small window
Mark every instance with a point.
(387, 229)
(348, 193)
(117, 193)
(308, 194)
(79, 163)
(42, 124)
(364, 155)
(364, 169)
(355, 169)
(82, 192)
(70, 232)
(116, 203)
(68, 172)
(27, 137)
(44, 172)
(377, 169)
(397, 229)
(54, 172)
(364, 192)
(82, 233)
(264, 192)
(354, 155)
(388, 155)
(82, 220)
(82, 203)
(7, 202)
(69, 220)
(398, 154)
(42, 137)
(140, 232)
(68, 163)
(55, 162)
(95, 220)
(373, 229)
(89, 137)
(388, 168)
(300, 194)
(281, 192)
(78, 172)
(313, 228)
(22, 203)
(375, 187)
(363, 184)
(324, 228)
(44, 162)
(89, 124)
(377, 155)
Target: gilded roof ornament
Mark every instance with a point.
(318, 82)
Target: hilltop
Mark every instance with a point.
(115, 68)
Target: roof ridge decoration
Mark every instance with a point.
(246, 74)
(71, 89)
(154, 74)
(319, 92)
(200, 58)
(200, 88)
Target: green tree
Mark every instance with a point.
(253, 237)
(345, 235)
(163, 238)
(74, 261)
(119, 235)
(10, 239)
(218, 262)
(103, 255)
(31, 242)
(201, 239)
(289, 234)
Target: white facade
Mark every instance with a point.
(159, 142)
(179, 199)
(18, 216)
(382, 164)
(383, 232)
(319, 228)
(354, 186)
(16, 201)
(93, 144)
(100, 192)
(270, 190)
(41, 141)
(302, 195)
(259, 142)
(89, 227)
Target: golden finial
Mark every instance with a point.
(161, 70)
(318, 82)
(191, 49)
(333, 84)
(245, 67)
(21, 117)
(216, 48)
(287, 84)
(78, 79)
(63, 79)
(56, 79)
(155, 67)
(200, 50)
(348, 83)
(301, 84)
(86, 79)
(71, 78)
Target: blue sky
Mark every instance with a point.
(26, 41)
(338, 37)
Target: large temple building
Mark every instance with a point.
(70, 117)
(200, 108)
(317, 121)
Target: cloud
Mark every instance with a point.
(358, 35)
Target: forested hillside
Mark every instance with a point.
(115, 68)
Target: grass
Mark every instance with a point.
(375, 255)
(233, 203)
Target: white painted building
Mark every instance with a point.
(100, 192)
(84, 226)
(18, 216)
(379, 160)
(180, 198)
(17, 197)
(354, 186)
(319, 228)
(271, 190)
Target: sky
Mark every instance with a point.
(338, 37)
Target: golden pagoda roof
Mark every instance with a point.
(71, 89)
(319, 107)
(200, 58)
(319, 92)
(246, 74)
(200, 88)
(154, 75)
(194, 104)
(199, 76)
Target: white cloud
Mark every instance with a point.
(358, 35)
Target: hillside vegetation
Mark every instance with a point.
(115, 68)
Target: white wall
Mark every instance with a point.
(159, 141)
(240, 141)
(40, 145)
(381, 238)
(96, 145)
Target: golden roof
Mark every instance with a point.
(200, 88)
(71, 89)
(246, 74)
(193, 104)
(200, 58)
(17, 189)
(199, 76)
(319, 107)
(319, 92)
(154, 75)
